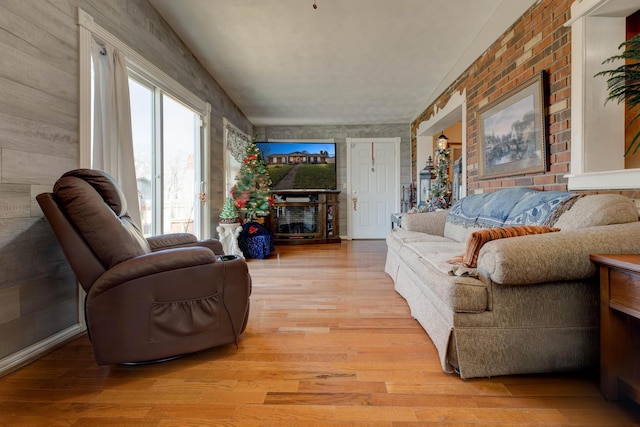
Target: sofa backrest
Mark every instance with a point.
(511, 206)
(598, 209)
(526, 206)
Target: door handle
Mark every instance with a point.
(355, 200)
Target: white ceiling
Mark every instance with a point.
(346, 62)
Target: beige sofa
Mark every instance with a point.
(532, 303)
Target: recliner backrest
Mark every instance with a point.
(83, 261)
(95, 205)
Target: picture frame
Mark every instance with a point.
(512, 131)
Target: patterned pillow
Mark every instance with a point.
(480, 237)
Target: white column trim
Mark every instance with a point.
(454, 111)
(597, 130)
(618, 179)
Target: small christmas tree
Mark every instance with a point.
(229, 214)
(251, 192)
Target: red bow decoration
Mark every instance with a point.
(242, 200)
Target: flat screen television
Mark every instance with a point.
(300, 165)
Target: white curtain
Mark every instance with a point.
(237, 143)
(112, 150)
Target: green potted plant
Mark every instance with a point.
(623, 83)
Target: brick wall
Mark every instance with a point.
(537, 41)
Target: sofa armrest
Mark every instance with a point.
(554, 256)
(425, 222)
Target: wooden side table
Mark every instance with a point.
(619, 325)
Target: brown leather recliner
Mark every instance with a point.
(147, 299)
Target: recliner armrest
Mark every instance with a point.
(166, 241)
(183, 240)
(212, 244)
(152, 263)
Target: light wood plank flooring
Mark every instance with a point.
(329, 343)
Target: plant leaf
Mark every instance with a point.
(623, 82)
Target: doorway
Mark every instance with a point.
(372, 186)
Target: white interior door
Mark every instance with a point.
(373, 190)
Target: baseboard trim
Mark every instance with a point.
(24, 357)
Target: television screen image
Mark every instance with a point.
(300, 165)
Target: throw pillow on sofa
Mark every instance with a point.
(478, 238)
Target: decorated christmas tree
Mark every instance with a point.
(440, 189)
(251, 192)
(229, 214)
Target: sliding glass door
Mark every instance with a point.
(167, 143)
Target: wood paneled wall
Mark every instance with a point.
(39, 141)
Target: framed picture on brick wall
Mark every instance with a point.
(512, 131)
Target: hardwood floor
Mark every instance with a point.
(329, 343)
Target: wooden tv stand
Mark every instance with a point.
(305, 216)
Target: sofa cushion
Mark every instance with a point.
(540, 208)
(598, 209)
(428, 260)
(478, 238)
